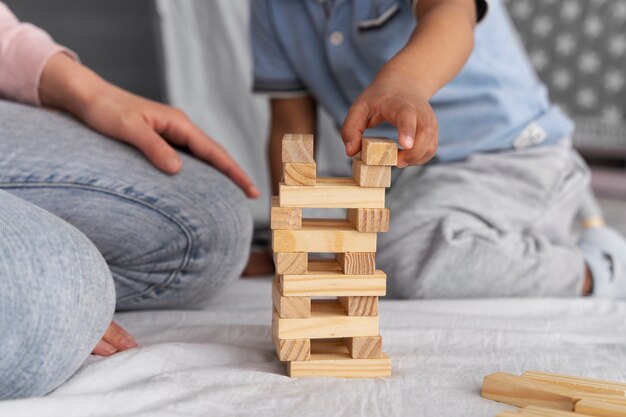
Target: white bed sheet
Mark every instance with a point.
(220, 361)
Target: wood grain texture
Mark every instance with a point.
(360, 305)
(357, 263)
(591, 385)
(298, 173)
(291, 263)
(600, 408)
(325, 278)
(365, 347)
(331, 193)
(369, 220)
(328, 320)
(323, 235)
(370, 175)
(290, 307)
(285, 217)
(297, 148)
(379, 151)
(534, 411)
(332, 359)
(292, 349)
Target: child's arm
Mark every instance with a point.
(435, 53)
(293, 115)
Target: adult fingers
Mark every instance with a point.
(153, 146)
(354, 125)
(183, 132)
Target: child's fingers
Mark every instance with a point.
(405, 119)
(354, 125)
(426, 141)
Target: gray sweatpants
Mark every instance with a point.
(496, 224)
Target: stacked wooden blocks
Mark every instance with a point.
(544, 394)
(325, 320)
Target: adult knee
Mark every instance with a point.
(56, 302)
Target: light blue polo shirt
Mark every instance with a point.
(332, 51)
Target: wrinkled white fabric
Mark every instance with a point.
(220, 361)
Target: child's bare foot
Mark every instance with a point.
(604, 250)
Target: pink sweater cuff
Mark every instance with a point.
(24, 52)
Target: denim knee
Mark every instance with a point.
(56, 301)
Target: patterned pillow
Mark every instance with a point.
(578, 47)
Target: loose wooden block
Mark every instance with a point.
(365, 347)
(328, 320)
(332, 359)
(357, 263)
(297, 148)
(285, 217)
(600, 408)
(290, 307)
(292, 349)
(596, 386)
(324, 278)
(323, 235)
(519, 391)
(331, 193)
(379, 151)
(291, 263)
(370, 175)
(369, 220)
(534, 411)
(360, 306)
(298, 173)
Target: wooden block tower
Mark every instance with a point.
(325, 320)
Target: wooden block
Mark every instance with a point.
(328, 320)
(292, 349)
(332, 359)
(519, 391)
(379, 151)
(324, 278)
(331, 193)
(323, 235)
(357, 263)
(370, 175)
(360, 306)
(291, 263)
(369, 220)
(364, 347)
(290, 307)
(508, 414)
(297, 148)
(285, 217)
(299, 173)
(534, 411)
(596, 386)
(600, 408)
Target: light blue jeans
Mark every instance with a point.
(88, 226)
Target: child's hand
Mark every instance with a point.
(391, 98)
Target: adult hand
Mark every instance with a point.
(115, 339)
(149, 126)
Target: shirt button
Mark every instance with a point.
(336, 38)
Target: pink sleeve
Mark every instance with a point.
(24, 51)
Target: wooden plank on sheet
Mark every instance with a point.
(332, 359)
(323, 235)
(285, 217)
(331, 193)
(324, 278)
(328, 320)
(596, 386)
(369, 220)
(600, 408)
